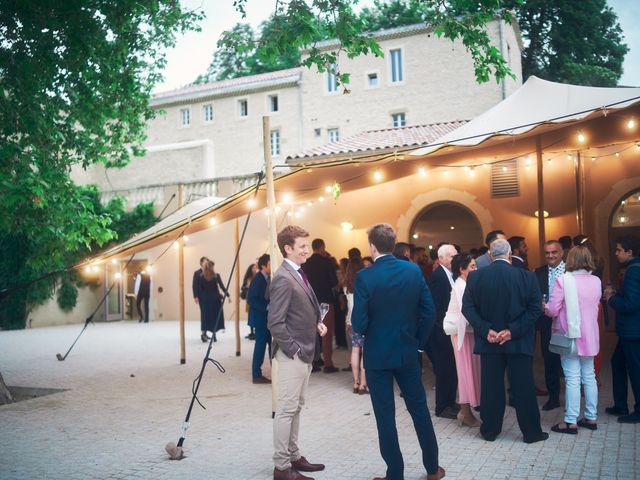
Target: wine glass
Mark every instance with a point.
(324, 309)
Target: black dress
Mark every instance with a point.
(210, 302)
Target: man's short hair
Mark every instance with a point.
(263, 261)
(552, 242)
(499, 248)
(317, 244)
(444, 247)
(354, 253)
(402, 249)
(288, 235)
(491, 236)
(629, 242)
(515, 242)
(383, 237)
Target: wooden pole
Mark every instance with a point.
(579, 169)
(274, 253)
(183, 355)
(237, 289)
(541, 233)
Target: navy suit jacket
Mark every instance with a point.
(542, 276)
(441, 292)
(257, 300)
(394, 311)
(498, 297)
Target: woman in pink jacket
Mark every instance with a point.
(574, 304)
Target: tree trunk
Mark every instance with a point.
(5, 394)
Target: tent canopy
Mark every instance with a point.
(550, 111)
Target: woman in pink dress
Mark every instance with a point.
(574, 304)
(456, 325)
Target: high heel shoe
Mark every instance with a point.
(204, 338)
(355, 388)
(468, 421)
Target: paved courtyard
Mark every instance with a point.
(126, 397)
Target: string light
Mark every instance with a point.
(148, 268)
(321, 199)
(377, 175)
(114, 261)
(631, 124)
(581, 137)
(422, 171)
(118, 275)
(277, 208)
(251, 202)
(452, 227)
(569, 156)
(472, 171)
(212, 221)
(467, 168)
(593, 159)
(286, 198)
(617, 154)
(347, 226)
(546, 214)
(95, 269)
(415, 236)
(298, 214)
(289, 214)
(185, 238)
(445, 173)
(504, 168)
(87, 269)
(309, 204)
(176, 245)
(328, 189)
(550, 161)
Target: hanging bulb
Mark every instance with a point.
(212, 221)
(377, 175)
(581, 137)
(631, 124)
(422, 171)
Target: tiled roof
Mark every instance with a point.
(372, 140)
(233, 85)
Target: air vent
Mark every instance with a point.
(504, 179)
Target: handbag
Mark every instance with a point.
(562, 345)
(451, 319)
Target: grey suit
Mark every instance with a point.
(294, 313)
(293, 318)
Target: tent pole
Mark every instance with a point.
(183, 357)
(579, 168)
(273, 237)
(237, 289)
(541, 233)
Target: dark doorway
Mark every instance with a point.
(446, 222)
(624, 220)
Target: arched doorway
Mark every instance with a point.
(624, 220)
(446, 222)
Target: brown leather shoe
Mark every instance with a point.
(261, 379)
(302, 465)
(288, 474)
(436, 476)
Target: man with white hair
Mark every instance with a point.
(441, 349)
(502, 305)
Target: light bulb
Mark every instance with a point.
(452, 227)
(309, 204)
(617, 154)
(346, 226)
(593, 159)
(212, 221)
(504, 169)
(118, 275)
(286, 198)
(581, 137)
(321, 199)
(328, 189)
(631, 124)
(149, 268)
(114, 261)
(472, 172)
(415, 236)
(87, 269)
(176, 245)
(377, 175)
(185, 238)
(251, 202)
(422, 171)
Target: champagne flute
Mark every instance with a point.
(324, 309)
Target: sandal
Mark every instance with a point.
(584, 423)
(364, 390)
(356, 390)
(566, 429)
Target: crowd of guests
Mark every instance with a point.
(571, 310)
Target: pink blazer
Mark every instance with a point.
(589, 293)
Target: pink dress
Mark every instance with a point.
(467, 363)
(589, 292)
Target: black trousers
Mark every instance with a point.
(552, 365)
(492, 397)
(139, 300)
(444, 367)
(409, 380)
(625, 363)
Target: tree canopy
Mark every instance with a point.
(298, 25)
(565, 41)
(76, 79)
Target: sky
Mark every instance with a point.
(193, 51)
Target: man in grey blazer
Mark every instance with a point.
(293, 320)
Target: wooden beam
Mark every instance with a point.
(579, 172)
(183, 354)
(236, 295)
(541, 232)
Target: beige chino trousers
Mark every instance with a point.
(293, 380)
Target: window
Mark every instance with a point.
(398, 120)
(244, 108)
(332, 81)
(372, 80)
(185, 117)
(274, 137)
(396, 66)
(207, 113)
(273, 103)
(334, 135)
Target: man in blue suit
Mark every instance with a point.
(258, 300)
(502, 305)
(394, 311)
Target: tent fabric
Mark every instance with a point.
(539, 107)
(538, 102)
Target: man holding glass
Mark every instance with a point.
(293, 320)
